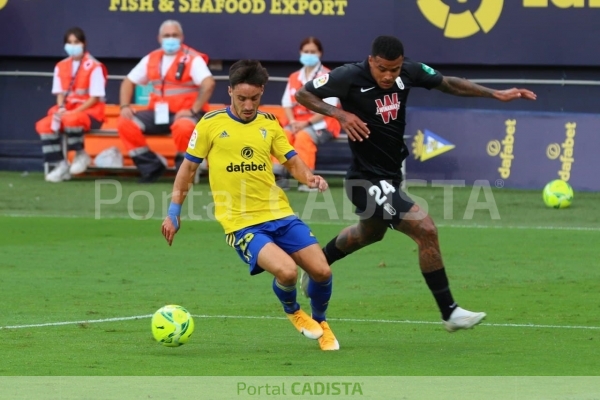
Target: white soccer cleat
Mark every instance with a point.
(463, 319)
(80, 163)
(304, 278)
(59, 173)
(305, 188)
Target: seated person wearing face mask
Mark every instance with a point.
(306, 129)
(79, 85)
(182, 86)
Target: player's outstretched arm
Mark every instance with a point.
(466, 88)
(183, 182)
(351, 124)
(316, 104)
(303, 174)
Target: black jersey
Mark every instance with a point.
(383, 110)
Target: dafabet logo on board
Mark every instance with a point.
(3, 3)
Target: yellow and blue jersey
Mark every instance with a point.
(240, 168)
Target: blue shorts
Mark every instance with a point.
(290, 234)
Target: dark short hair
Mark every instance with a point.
(77, 32)
(248, 71)
(387, 47)
(312, 39)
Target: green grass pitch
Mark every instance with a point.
(534, 271)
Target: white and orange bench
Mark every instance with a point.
(98, 140)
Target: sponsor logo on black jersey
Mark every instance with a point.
(388, 107)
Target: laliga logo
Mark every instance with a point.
(3, 3)
(464, 24)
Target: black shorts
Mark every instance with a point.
(378, 198)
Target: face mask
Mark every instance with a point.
(170, 44)
(74, 50)
(309, 60)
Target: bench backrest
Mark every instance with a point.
(112, 112)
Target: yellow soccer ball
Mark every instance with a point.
(558, 194)
(172, 326)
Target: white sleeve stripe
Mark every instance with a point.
(56, 85)
(199, 70)
(139, 73)
(97, 83)
(286, 100)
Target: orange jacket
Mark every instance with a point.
(80, 92)
(180, 94)
(302, 113)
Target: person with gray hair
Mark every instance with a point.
(182, 86)
(170, 22)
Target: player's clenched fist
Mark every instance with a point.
(318, 182)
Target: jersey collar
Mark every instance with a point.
(233, 117)
(365, 65)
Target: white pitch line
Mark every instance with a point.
(484, 324)
(537, 228)
(336, 223)
(388, 321)
(91, 321)
(380, 321)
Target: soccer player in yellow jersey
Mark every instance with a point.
(259, 223)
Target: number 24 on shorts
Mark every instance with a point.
(243, 244)
(379, 193)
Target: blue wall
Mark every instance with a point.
(483, 32)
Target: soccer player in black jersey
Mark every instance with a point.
(373, 95)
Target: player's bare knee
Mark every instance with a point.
(321, 274)
(370, 238)
(378, 236)
(287, 276)
(427, 228)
